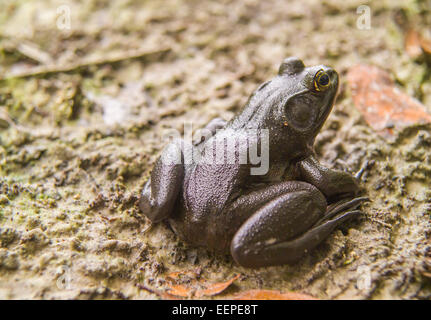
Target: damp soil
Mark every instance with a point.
(84, 113)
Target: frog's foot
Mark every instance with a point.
(341, 207)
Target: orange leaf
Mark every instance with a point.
(426, 45)
(194, 287)
(180, 290)
(382, 104)
(412, 44)
(163, 295)
(192, 274)
(174, 275)
(271, 295)
(215, 288)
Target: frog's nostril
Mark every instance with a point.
(333, 74)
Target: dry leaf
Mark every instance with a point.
(271, 295)
(426, 44)
(162, 294)
(215, 288)
(192, 274)
(382, 104)
(412, 43)
(415, 43)
(194, 287)
(180, 290)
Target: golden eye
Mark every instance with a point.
(321, 80)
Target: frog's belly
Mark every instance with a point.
(202, 233)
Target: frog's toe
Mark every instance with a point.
(341, 206)
(340, 218)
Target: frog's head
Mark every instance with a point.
(307, 95)
(293, 105)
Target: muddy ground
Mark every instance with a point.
(83, 112)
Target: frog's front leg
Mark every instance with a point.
(161, 191)
(333, 184)
(285, 225)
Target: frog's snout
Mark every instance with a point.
(333, 76)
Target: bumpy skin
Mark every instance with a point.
(268, 219)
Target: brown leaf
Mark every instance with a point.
(191, 274)
(215, 288)
(180, 290)
(162, 294)
(382, 104)
(194, 287)
(426, 44)
(412, 43)
(271, 295)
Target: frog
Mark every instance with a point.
(268, 219)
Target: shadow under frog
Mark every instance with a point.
(266, 219)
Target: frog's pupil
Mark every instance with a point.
(324, 80)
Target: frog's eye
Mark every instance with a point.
(321, 80)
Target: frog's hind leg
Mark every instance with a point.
(288, 251)
(161, 191)
(284, 229)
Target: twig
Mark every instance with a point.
(33, 52)
(387, 225)
(49, 69)
(29, 50)
(160, 293)
(4, 115)
(366, 166)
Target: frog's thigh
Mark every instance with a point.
(162, 189)
(281, 231)
(242, 208)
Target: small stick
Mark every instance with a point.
(367, 165)
(49, 69)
